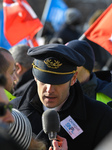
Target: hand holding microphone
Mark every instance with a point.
(51, 126)
(61, 142)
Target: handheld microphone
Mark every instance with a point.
(51, 123)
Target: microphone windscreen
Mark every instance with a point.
(50, 121)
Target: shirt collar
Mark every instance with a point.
(55, 108)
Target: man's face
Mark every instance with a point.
(7, 117)
(53, 95)
(10, 74)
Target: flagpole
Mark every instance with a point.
(82, 37)
(44, 15)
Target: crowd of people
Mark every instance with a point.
(58, 75)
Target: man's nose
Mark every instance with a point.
(49, 88)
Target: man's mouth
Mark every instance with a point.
(50, 98)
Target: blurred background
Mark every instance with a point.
(87, 7)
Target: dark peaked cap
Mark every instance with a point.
(55, 63)
(85, 49)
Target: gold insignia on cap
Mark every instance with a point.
(51, 63)
(47, 71)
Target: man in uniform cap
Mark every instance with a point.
(84, 121)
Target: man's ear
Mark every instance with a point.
(35, 79)
(18, 68)
(74, 79)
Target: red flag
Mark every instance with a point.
(20, 21)
(32, 42)
(100, 31)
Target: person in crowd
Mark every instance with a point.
(23, 65)
(69, 30)
(7, 68)
(16, 127)
(6, 118)
(84, 121)
(92, 86)
(10, 117)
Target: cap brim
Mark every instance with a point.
(49, 78)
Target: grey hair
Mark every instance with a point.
(19, 53)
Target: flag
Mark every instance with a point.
(32, 42)
(54, 12)
(3, 41)
(20, 21)
(100, 31)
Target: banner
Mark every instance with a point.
(54, 12)
(20, 21)
(100, 31)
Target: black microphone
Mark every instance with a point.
(51, 123)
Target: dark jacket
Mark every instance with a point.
(101, 55)
(68, 33)
(96, 85)
(23, 83)
(104, 75)
(93, 117)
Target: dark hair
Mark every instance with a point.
(4, 64)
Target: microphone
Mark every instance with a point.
(51, 123)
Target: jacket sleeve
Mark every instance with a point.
(15, 102)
